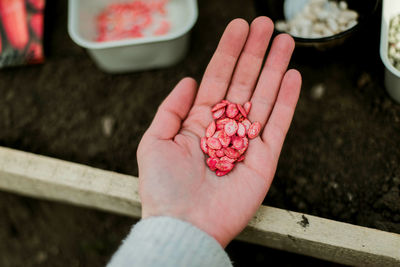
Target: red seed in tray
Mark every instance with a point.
(254, 130)
(227, 136)
(231, 111)
(163, 28)
(231, 127)
(132, 19)
(218, 113)
(214, 143)
(210, 129)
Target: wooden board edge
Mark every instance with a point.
(53, 179)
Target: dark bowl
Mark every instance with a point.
(365, 9)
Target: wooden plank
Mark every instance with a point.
(322, 238)
(58, 180)
(54, 179)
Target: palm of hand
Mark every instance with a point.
(174, 179)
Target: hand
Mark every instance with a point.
(173, 177)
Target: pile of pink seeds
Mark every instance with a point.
(227, 136)
(132, 19)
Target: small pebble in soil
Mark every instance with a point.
(318, 91)
(363, 80)
(334, 185)
(349, 196)
(320, 18)
(108, 123)
(41, 257)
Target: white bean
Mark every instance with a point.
(343, 5)
(320, 18)
(394, 42)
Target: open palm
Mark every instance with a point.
(174, 179)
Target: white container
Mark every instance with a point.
(390, 8)
(132, 54)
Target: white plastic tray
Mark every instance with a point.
(390, 8)
(132, 54)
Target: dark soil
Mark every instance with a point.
(340, 159)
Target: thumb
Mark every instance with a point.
(173, 110)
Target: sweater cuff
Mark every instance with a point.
(166, 241)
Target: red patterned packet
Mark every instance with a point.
(21, 32)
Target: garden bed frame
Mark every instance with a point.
(48, 178)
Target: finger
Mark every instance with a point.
(219, 71)
(174, 109)
(248, 68)
(278, 124)
(268, 85)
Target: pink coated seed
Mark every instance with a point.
(211, 129)
(254, 130)
(221, 173)
(239, 117)
(246, 124)
(224, 139)
(224, 165)
(242, 110)
(219, 106)
(227, 136)
(231, 110)
(231, 128)
(247, 107)
(214, 143)
(212, 153)
(221, 123)
(227, 159)
(212, 162)
(218, 113)
(237, 142)
(231, 153)
(220, 153)
(241, 130)
(217, 133)
(241, 158)
(245, 145)
(203, 144)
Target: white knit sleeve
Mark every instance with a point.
(166, 241)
